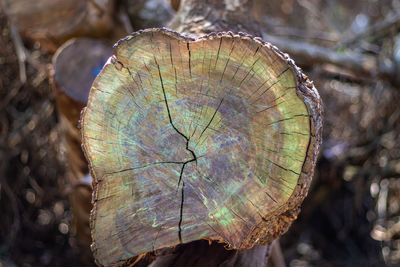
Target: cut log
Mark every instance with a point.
(148, 13)
(52, 22)
(212, 137)
(75, 66)
(189, 139)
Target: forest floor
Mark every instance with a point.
(350, 218)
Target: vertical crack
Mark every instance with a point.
(219, 49)
(169, 113)
(194, 158)
(182, 199)
(190, 66)
(181, 210)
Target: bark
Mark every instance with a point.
(199, 17)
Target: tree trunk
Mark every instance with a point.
(198, 137)
(147, 13)
(197, 18)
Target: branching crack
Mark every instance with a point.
(209, 123)
(144, 166)
(194, 158)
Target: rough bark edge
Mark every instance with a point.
(278, 221)
(92, 215)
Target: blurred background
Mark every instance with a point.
(350, 49)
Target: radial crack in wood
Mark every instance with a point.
(235, 124)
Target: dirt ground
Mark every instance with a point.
(351, 216)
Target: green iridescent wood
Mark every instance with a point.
(191, 139)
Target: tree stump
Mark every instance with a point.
(188, 138)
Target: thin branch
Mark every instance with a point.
(20, 51)
(308, 55)
(124, 19)
(378, 29)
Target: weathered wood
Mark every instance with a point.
(200, 17)
(214, 137)
(148, 13)
(197, 137)
(75, 65)
(52, 22)
(363, 66)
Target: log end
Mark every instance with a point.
(77, 63)
(215, 138)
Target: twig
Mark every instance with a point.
(308, 55)
(380, 28)
(20, 50)
(124, 19)
(12, 199)
(98, 7)
(279, 29)
(304, 34)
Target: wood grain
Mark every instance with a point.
(214, 138)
